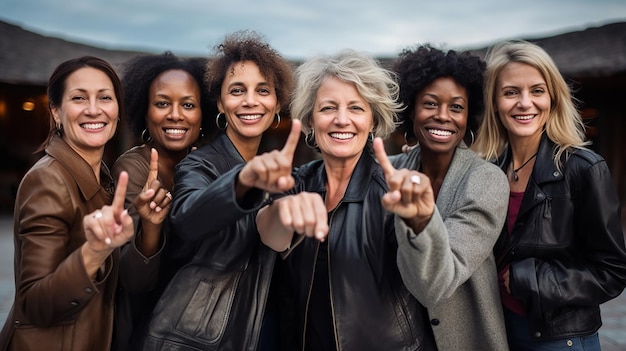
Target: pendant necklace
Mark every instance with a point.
(515, 177)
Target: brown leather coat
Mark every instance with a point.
(57, 305)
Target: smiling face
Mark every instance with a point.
(523, 101)
(88, 111)
(440, 116)
(342, 120)
(249, 102)
(174, 115)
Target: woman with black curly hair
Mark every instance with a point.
(444, 98)
(165, 99)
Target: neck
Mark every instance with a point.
(247, 147)
(338, 176)
(436, 166)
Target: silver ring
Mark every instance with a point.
(415, 179)
(169, 195)
(97, 215)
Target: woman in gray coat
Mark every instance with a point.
(443, 95)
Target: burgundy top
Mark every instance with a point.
(510, 302)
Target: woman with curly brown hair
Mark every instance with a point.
(221, 298)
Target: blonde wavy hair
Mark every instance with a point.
(564, 125)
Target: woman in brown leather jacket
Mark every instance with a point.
(66, 233)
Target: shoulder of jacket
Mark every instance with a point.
(584, 155)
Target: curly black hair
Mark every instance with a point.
(139, 73)
(250, 46)
(418, 67)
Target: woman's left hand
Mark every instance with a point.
(153, 202)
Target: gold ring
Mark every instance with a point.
(415, 179)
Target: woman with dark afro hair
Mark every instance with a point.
(463, 199)
(166, 100)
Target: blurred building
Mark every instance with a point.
(593, 61)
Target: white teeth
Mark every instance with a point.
(342, 136)
(250, 117)
(525, 117)
(175, 131)
(440, 132)
(93, 125)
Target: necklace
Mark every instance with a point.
(515, 177)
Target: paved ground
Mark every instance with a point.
(612, 333)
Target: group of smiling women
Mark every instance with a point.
(496, 228)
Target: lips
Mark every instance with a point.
(93, 125)
(250, 117)
(175, 131)
(439, 132)
(524, 117)
(342, 136)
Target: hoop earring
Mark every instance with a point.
(58, 129)
(217, 122)
(473, 139)
(145, 136)
(370, 137)
(410, 141)
(309, 140)
(277, 121)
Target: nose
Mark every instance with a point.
(176, 112)
(93, 108)
(524, 100)
(443, 113)
(250, 98)
(341, 117)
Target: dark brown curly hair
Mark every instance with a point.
(250, 46)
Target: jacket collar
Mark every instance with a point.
(366, 170)
(226, 147)
(545, 170)
(80, 170)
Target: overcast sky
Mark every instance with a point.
(301, 28)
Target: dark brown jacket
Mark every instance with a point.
(57, 305)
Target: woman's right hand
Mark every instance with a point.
(271, 171)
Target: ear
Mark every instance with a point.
(220, 106)
(55, 114)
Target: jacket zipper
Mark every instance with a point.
(308, 299)
(330, 281)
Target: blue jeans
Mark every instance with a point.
(520, 339)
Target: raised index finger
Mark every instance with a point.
(120, 192)
(292, 140)
(381, 156)
(153, 173)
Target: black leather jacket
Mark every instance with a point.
(567, 252)
(372, 308)
(217, 301)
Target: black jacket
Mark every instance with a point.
(216, 301)
(372, 308)
(566, 251)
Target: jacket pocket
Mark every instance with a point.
(56, 338)
(195, 307)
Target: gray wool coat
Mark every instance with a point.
(457, 280)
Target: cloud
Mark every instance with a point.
(299, 29)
